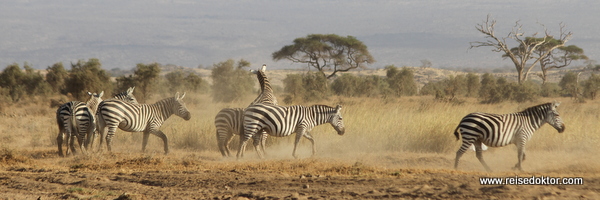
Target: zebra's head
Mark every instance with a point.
(336, 121)
(553, 118)
(95, 99)
(179, 108)
(127, 96)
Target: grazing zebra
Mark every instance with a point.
(147, 118)
(229, 121)
(281, 121)
(85, 115)
(74, 120)
(500, 130)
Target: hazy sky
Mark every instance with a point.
(122, 33)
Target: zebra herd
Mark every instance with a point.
(263, 117)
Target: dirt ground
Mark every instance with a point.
(205, 175)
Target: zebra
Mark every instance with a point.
(147, 118)
(74, 120)
(84, 116)
(281, 121)
(229, 121)
(123, 96)
(500, 130)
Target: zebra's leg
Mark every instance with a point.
(466, 143)
(243, 142)
(299, 135)
(223, 139)
(263, 141)
(81, 141)
(161, 135)
(145, 140)
(72, 142)
(59, 141)
(103, 132)
(308, 136)
(226, 144)
(479, 153)
(520, 156)
(109, 135)
(256, 141)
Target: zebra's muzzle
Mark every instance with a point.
(341, 131)
(187, 116)
(561, 129)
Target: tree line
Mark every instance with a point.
(232, 81)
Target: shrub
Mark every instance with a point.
(87, 77)
(401, 82)
(305, 87)
(229, 83)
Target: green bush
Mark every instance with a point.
(18, 84)
(56, 77)
(231, 83)
(401, 82)
(591, 86)
(87, 77)
(307, 87)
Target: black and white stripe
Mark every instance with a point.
(75, 120)
(496, 130)
(84, 123)
(229, 121)
(123, 96)
(266, 95)
(147, 118)
(281, 121)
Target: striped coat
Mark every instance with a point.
(496, 130)
(281, 121)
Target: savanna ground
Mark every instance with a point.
(393, 148)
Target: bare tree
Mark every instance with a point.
(559, 58)
(529, 46)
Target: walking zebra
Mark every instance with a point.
(147, 118)
(230, 121)
(281, 121)
(500, 130)
(75, 119)
(84, 117)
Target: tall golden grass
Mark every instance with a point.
(407, 124)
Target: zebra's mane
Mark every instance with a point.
(323, 108)
(543, 106)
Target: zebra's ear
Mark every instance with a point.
(101, 93)
(183, 95)
(130, 90)
(89, 93)
(338, 107)
(263, 68)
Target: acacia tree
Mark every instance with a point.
(550, 57)
(327, 52)
(529, 46)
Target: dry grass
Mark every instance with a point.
(408, 124)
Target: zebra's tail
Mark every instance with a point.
(457, 132)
